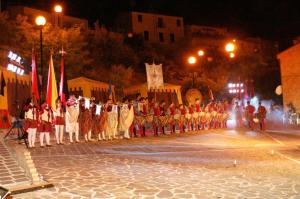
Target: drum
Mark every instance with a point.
(188, 116)
(177, 117)
(208, 117)
(214, 114)
(202, 117)
(195, 115)
(225, 117)
(140, 120)
(149, 118)
(164, 120)
(255, 120)
(219, 117)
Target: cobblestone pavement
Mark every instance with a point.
(193, 165)
(11, 174)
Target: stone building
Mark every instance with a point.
(153, 27)
(290, 75)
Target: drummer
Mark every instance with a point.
(182, 118)
(171, 113)
(191, 119)
(156, 122)
(198, 110)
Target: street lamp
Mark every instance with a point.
(58, 9)
(201, 53)
(231, 55)
(192, 60)
(230, 47)
(40, 22)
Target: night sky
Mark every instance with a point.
(277, 20)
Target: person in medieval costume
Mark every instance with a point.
(72, 125)
(197, 110)
(85, 119)
(261, 115)
(156, 122)
(182, 117)
(238, 114)
(31, 121)
(94, 118)
(171, 112)
(112, 121)
(249, 114)
(126, 119)
(102, 123)
(191, 119)
(59, 121)
(45, 124)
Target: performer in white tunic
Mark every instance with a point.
(59, 116)
(31, 122)
(72, 125)
(126, 119)
(45, 125)
(112, 121)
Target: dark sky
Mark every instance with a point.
(273, 19)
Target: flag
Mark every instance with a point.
(110, 97)
(210, 94)
(51, 86)
(63, 85)
(34, 79)
(3, 84)
(154, 75)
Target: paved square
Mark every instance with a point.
(193, 165)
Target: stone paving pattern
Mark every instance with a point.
(11, 174)
(194, 165)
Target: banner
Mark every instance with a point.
(154, 75)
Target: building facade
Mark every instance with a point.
(53, 18)
(153, 27)
(290, 75)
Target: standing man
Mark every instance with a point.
(249, 114)
(31, 122)
(72, 125)
(261, 114)
(59, 122)
(171, 112)
(238, 115)
(45, 125)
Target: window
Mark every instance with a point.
(146, 35)
(140, 18)
(161, 37)
(160, 22)
(172, 37)
(178, 22)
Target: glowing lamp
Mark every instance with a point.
(40, 20)
(58, 9)
(201, 53)
(192, 60)
(230, 47)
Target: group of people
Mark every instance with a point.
(93, 121)
(251, 115)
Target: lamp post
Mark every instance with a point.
(58, 9)
(192, 61)
(40, 22)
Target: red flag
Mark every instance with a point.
(51, 87)
(34, 88)
(210, 94)
(63, 87)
